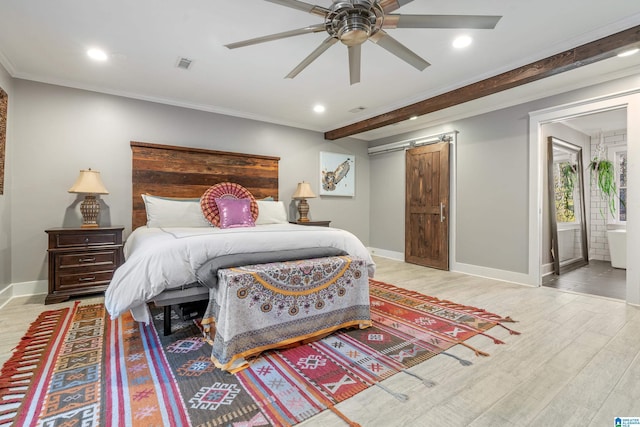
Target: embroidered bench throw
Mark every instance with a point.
(265, 306)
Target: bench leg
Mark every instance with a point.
(167, 320)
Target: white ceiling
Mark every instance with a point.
(46, 41)
(594, 124)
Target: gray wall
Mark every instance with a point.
(492, 183)
(387, 201)
(57, 131)
(492, 193)
(6, 83)
(492, 203)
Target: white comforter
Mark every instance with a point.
(165, 258)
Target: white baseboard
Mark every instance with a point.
(36, 287)
(5, 296)
(23, 289)
(472, 270)
(493, 273)
(398, 256)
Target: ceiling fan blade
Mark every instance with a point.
(306, 30)
(390, 5)
(384, 40)
(484, 22)
(300, 5)
(354, 63)
(326, 44)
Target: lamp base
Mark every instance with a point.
(303, 210)
(90, 208)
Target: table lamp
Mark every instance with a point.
(302, 193)
(89, 183)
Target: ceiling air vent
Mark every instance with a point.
(357, 109)
(184, 63)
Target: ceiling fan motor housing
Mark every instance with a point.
(354, 21)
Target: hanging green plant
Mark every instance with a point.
(568, 176)
(567, 179)
(603, 174)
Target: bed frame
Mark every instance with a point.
(172, 171)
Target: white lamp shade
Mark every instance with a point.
(89, 182)
(303, 191)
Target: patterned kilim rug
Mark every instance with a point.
(76, 367)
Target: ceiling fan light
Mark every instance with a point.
(354, 30)
(354, 36)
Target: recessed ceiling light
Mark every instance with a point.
(319, 108)
(462, 41)
(629, 52)
(97, 54)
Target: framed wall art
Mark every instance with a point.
(337, 174)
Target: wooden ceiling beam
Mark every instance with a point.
(586, 54)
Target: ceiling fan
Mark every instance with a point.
(353, 22)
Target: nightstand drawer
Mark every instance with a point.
(104, 259)
(85, 239)
(84, 280)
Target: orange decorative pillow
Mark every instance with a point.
(225, 190)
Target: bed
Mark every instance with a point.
(162, 256)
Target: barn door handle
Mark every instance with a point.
(442, 218)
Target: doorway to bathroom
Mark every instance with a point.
(602, 136)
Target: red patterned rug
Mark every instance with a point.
(76, 367)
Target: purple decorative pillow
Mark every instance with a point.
(235, 213)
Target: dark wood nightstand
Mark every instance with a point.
(319, 223)
(82, 260)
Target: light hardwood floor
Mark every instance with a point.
(576, 363)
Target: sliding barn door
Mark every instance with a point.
(427, 206)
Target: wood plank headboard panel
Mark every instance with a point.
(172, 171)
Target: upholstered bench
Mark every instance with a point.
(264, 306)
(173, 297)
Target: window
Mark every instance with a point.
(618, 155)
(565, 180)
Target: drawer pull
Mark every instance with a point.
(87, 279)
(87, 259)
(86, 240)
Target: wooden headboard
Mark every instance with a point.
(172, 171)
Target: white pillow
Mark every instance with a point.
(271, 212)
(170, 212)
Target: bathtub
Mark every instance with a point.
(569, 243)
(618, 247)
